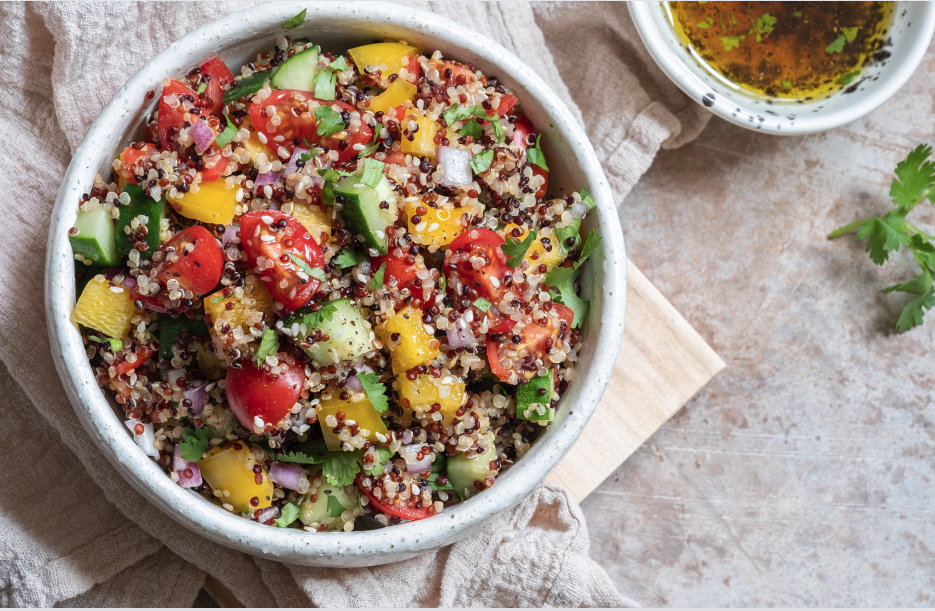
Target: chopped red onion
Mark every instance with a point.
(198, 397)
(354, 384)
(180, 466)
(230, 232)
(406, 436)
(419, 466)
(287, 475)
(145, 439)
(456, 166)
(292, 166)
(460, 338)
(129, 282)
(266, 179)
(174, 375)
(266, 514)
(201, 135)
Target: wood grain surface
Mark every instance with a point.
(662, 363)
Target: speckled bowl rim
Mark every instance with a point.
(290, 545)
(740, 109)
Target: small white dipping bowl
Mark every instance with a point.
(238, 38)
(910, 32)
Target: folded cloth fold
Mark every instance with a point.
(74, 532)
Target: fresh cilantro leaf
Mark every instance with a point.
(914, 179)
(95, 338)
(268, 345)
(332, 175)
(329, 121)
(733, 20)
(837, 46)
(340, 467)
(196, 443)
(704, 25)
(201, 87)
(884, 235)
(324, 82)
(433, 481)
(497, 129)
(290, 511)
(460, 113)
(335, 508)
(850, 33)
(731, 42)
(571, 231)
(797, 14)
(340, 64)
(441, 464)
(371, 148)
(923, 251)
(348, 257)
(226, 136)
(786, 85)
(377, 467)
(482, 304)
(563, 279)
(535, 155)
(482, 161)
(516, 250)
(373, 173)
(312, 272)
(764, 25)
(913, 311)
(377, 280)
(472, 128)
(591, 242)
(312, 320)
(298, 458)
(848, 78)
(295, 21)
(305, 157)
(115, 344)
(375, 390)
(587, 199)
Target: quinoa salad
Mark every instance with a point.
(334, 291)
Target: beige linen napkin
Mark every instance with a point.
(72, 531)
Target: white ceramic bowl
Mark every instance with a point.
(237, 38)
(911, 31)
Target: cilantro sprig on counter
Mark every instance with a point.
(914, 182)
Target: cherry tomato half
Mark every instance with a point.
(297, 122)
(396, 269)
(252, 392)
(399, 511)
(507, 102)
(142, 354)
(534, 338)
(132, 156)
(483, 243)
(522, 129)
(283, 240)
(197, 268)
(171, 120)
(220, 75)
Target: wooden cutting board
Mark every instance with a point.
(662, 363)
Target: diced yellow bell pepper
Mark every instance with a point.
(362, 413)
(422, 392)
(231, 472)
(256, 298)
(399, 92)
(436, 227)
(213, 203)
(394, 55)
(423, 145)
(537, 254)
(414, 346)
(105, 307)
(316, 219)
(254, 146)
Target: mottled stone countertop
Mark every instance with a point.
(803, 474)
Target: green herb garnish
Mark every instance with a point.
(269, 344)
(516, 250)
(375, 390)
(837, 46)
(377, 280)
(847, 79)
(764, 25)
(850, 33)
(348, 257)
(482, 161)
(295, 21)
(373, 173)
(329, 121)
(535, 155)
(482, 304)
(472, 128)
(312, 272)
(195, 444)
(226, 136)
(571, 231)
(371, 148)
(290, 511)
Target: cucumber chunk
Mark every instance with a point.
(141, 204)
(170, 327)
(330, 503)
(464, 471)
(94, 237)
(362, 211)
(298, 72)
(247, 86)
(348, 334)
(529, 401)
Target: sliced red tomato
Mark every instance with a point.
(400, 112)
(252, 392)
(399, 511)
(534, 338)
(451, 80)
(171, 118)
(283, 240)
(213, 95)
(198, 268)
(297, 122)
(142, 355)
(396, 269)
(482, 243)
(521, 132)
(507, 102)
(397, 158)
(131, 156)
(414, 67)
